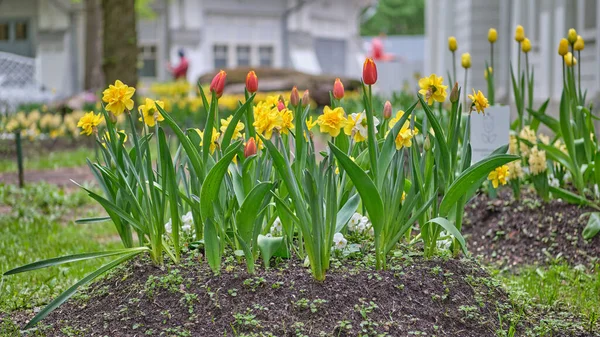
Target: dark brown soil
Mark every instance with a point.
(416, 297)
(529, 231)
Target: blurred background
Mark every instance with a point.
(56, 49)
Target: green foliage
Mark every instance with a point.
(394, 17)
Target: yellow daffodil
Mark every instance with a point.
(499, 176)
(89, 123)
(237, 133)
(479, 101)
(287, 121)
(432, 89)
(405, 136)
(357, 127)
(310, 124)
(332, 121)
(537, 161)
(213, 141)
(266, 118)
(118, 97)
(149, 113)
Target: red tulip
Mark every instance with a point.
(218, 83)
(369, 72)
(387, 110)
(251, 82)
(280, 105)
(338, 89)
(294, 97)
(250, 148)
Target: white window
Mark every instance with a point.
(147, 59)
(265, 56)
(4, 31)
(220, 55)
(243, 56)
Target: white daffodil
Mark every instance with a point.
(354, 221)
(339, 242)
(360, 125)
(187, 222)
(276, 228)
(169, 227)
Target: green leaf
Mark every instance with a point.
(72, 258)
(593, 226)
(92, 220)
(346, 212)
(450, 228)
(69, 292)
(365, 187)
(237, 115)
(268, 246)
(571, 197)
(439, 137)
(472, 177)
(248, 212)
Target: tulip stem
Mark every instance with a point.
(519, 63)
(465, 92)
(579, 77)
(453, 67)
(526, 95)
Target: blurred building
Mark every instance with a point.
(315, 36)
(545, 23)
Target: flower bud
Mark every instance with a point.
(572, 36)
(305, 98)
(452, 45)
(454, 93)
(251, 82)
(570, 60)
(369, 72)
(338, 89)
(250, 148)
(519, 34)
(526, 45)
(218, 83)
(563, 47)
(466, 60)
(294, 97)
(427, 143)
(387, 110)
(579, 43)
(492, 35)
(280, 105)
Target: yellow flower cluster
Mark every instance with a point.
(515, 171)
(214, 140)
(237, 133)
(149, 113)
(268, 118)
(35, 124)
(499, 176)
(89, 123)
(171, 89)
(480, 102)
(513, 145)
(432, 89)
(528, 134)
(332, 121)
(537, 161)
(405, 135)
(118, 97)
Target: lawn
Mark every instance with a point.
(49, 160)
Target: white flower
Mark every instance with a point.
(276, 228)
(188, 221)
(371, 230)
(360, 126)
(169, 227)
(363, 224)
(354, 221)
(552, 181)
(339, 242)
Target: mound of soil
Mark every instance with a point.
(440, 297)
(528, 231)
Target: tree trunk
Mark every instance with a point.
(94, 77)
(120, 41)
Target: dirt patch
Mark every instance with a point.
(61, 177)
(529, 231)
(416, 297)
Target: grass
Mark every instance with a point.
(560, 288)
(37, 223)
(50, 160)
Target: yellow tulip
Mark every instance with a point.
(579, 43)
(492, 35)
(563, 47)
(526, 45)
(572, 36)
(570, 60)
(452, 45)
(466, 60)
(519, 34)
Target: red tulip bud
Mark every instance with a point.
(387, 110)
(294, 97)
(280, 105)
(218, 83)
(250, 148)
(251, 82)
(305, 98)
(338, 89)
(369, 72)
